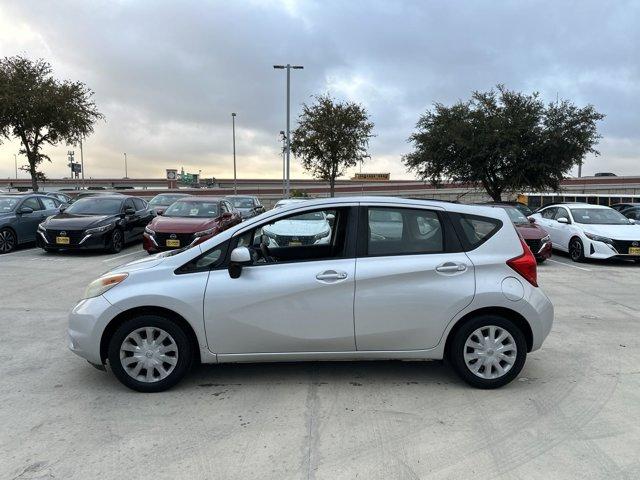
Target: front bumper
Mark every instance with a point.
(79, 241)
(152, 245)
(601, 250)
(87, 322)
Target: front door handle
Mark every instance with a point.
(450, 267)
(331, 275)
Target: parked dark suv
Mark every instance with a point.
(247, 205)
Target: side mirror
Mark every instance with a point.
(632, 221)
(129, 211)
(24, 210)
(160, 212)
(240, 256)
(563, 220)
(331, 218)
(532, 220)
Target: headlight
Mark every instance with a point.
(104, 228)
(104, 284)
(149, 231)
(322, 234)
(204, 233)
(598, 238)
(545, 239)
(42, 228)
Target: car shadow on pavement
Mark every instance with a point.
(617, 262)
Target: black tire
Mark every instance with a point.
(458, 348)
(50, 250)
(8, 240)
(576, 250)
(117, 241)
(184, 353)
(540, 260)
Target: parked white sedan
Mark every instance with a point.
(442, 280)
(590, 231)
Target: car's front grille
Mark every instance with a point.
(185, 238)
(622, 246)
(534, 244)
(74, 235)
(290, 240)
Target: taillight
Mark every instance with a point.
(525, 264)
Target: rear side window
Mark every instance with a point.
(474, 230)
(403, 231)
(139, 203)
(49, 203)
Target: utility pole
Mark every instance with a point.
(283, 137)
(15, 159)
(126, 172)
(235, 179)
(288, 67)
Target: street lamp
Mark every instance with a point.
(235, 180)
(126, 173)
(288, 67)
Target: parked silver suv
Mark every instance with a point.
(391, 279)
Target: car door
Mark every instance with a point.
(144, 216)
(27, 223)
(412, 278)
(130, 221)
(301, 303)
(563, 231)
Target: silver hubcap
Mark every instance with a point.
(7, 241)
(490, 352)
(149, 354)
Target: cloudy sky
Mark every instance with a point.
(168, 74)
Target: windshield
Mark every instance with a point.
(516, 216)
(599, 216)
(164, 200)
(242, 202)
(7, 204)
(95, 206)
(190, 208)
(309, 216)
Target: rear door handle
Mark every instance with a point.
(450, 267)
(331, 275)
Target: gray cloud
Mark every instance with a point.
(168, 74)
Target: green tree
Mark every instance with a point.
(504, 141)
(331, 136)
(40, 110)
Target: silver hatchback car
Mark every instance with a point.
(391, 278)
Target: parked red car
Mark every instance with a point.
(534, 235)
(189, 221)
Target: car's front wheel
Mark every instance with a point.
(150, 353)
(576, 250)
(488, 351)
(117, 241)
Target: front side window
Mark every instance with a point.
(561, 213)
(307, 236)
(403, 231)
(243, 202)
(32, 203)
(139, 203)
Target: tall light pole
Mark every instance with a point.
(288, 67)
(15, 159)
(235, 179)
(126, 172)
(283, 137)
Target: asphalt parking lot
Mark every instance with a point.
(572, 413)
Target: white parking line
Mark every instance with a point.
(568, 265)
(122, 256)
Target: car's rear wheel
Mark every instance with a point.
(117, 241)
(576, 250)
(8, 240)
(150, 353)
(488, 351)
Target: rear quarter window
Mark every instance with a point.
(474, 230)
